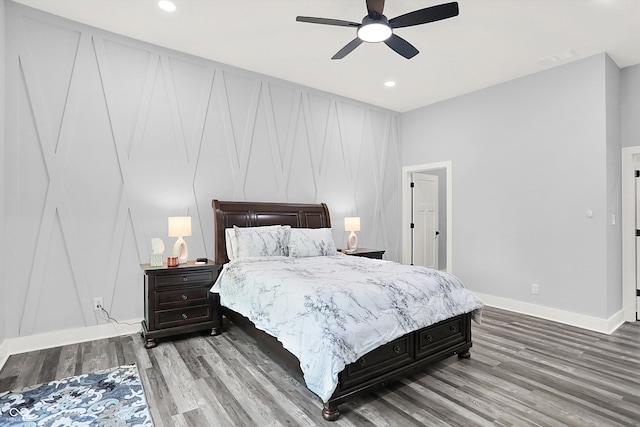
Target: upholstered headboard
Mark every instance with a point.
(254, 214)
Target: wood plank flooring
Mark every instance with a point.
(523, 371)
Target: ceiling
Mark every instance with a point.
(490, 42)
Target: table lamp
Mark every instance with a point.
(180, 226)
(352, 224)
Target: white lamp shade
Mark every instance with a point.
(179, 226)
(352, 223)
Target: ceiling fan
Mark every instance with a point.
(375, 27)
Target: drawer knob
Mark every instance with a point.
(185, 278)
(396, 349)
(184, 316)
(454, 328)
(184, 297)
(429, 338)
(362, 361)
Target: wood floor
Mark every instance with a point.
(523, 371)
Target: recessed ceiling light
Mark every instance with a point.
(167, 5)
(389, 83)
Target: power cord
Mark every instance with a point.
(102, 309)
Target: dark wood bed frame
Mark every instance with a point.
(413, 351)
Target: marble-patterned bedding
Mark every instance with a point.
(329, 311)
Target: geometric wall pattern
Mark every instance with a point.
(108, 136)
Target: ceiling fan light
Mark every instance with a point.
(167, 6)
(374, 32)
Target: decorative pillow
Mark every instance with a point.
(306, 242)
(261, 241)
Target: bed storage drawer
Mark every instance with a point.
(439, 336)
(379, 361)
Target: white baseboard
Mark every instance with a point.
(68, 336)
(4, 352)
(605, 326)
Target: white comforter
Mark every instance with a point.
(329, 311)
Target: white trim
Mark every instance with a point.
(604, 326)
(628, 225)
(68, 336)
(406, 208)
(4, 353)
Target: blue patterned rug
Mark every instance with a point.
(113, 397)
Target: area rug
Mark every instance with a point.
(113, 397)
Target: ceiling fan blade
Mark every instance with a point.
(327, 21)
(422, 16)
(401, 46)
(375, 8)
(347, 49)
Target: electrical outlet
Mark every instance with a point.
(97, 304)
(535, 288)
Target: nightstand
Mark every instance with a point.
(178, 300)
(367, 253)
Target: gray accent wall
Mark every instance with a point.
(108, 136)
(531, 157)
(4, 302)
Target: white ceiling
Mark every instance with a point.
(490, 42)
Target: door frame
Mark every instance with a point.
(628, 225)
(407, 171)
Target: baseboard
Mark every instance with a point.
(605, 326)
(4, 353)
(68, 336)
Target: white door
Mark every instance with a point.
(425, 220)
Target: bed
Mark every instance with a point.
(393, 357)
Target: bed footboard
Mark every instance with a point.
(391, 361)
(408, 353)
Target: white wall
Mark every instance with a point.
(3, 300)
(614, 190)
(630, 106)
(108, 136)
(530, 158)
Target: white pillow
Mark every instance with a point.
(270, 240)
(306, 242)
(230, 242)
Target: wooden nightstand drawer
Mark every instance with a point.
(183, 316)
(185, 278)
(182, 298)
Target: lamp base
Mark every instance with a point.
(352, 242)
(181, 251)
